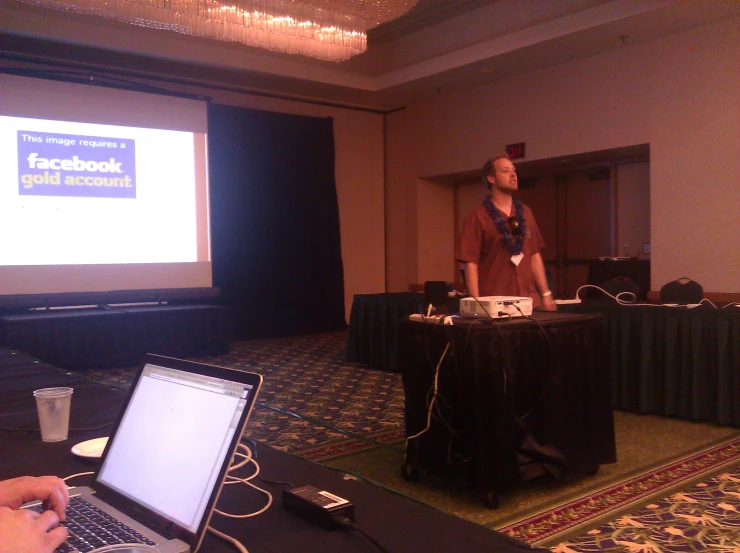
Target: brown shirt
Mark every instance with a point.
(481, 243)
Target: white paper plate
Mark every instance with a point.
(92, 449)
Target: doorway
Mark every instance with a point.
(587, 207)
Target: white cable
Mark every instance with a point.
(434, 397)
(247, 458)
(75, 476)
(631, 302)
(236, 543)
(254, 514)
(231, 479)
(127, 547)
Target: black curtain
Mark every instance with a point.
(275, 222)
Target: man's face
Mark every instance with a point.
(504, 175)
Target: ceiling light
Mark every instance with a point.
(332, 30)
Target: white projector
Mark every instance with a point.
(496, 307)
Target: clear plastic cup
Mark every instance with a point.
(53, 406)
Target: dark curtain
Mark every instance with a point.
(275, 222)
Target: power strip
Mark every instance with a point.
(567, 302)
(436, 319)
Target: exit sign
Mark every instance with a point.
(515, 151)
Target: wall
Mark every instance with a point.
(679, 94)
(436, 225)
(633, 209)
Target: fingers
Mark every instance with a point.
(26, 530)
(48, 520)
(49, 489)
(57, 536)
(58, 496)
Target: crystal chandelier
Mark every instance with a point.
(332, 30)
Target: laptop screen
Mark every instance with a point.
(173, 440)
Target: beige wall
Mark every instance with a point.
(436, 229)
(679, 94)
(632, 182)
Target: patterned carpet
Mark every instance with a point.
(312, 402)
(625, 496)
(705, 517)
(316, 405)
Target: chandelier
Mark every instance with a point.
(332, 30)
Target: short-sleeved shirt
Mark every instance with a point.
(482, 243)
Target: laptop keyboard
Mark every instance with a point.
(90, 528)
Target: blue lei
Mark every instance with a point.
(511, 243)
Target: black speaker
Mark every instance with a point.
(682, 291)
(435, 292)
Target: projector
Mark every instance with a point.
(496, 307)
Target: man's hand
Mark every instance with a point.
(548, 304)
(26, 531)
(52, 491)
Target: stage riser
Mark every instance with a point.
(119, 337)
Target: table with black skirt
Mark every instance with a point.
(372, 335)
(396, 523)
(515, 398)
(673, 361)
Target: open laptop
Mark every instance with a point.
(166, 460)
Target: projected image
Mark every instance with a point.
(81, 193)
(51, 164)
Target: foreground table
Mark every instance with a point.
(399, 524)
(516, 398)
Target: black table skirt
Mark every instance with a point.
(117, 337)
(515, 397)
(372, 334)
(399, 524)
(673, 361)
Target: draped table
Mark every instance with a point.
(516, 398)
(673, 361)
(372, 336)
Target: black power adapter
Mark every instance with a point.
(318, 506)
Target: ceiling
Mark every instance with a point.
(438, 47)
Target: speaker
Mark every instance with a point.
(435, 292)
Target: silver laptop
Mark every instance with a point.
(166, 460)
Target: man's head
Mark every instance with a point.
(499, 172)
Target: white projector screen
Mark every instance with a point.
(101, 189)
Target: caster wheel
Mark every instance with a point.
(409, 473)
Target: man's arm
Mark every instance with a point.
(471, 279)
(540, 279)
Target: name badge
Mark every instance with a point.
(516, 259)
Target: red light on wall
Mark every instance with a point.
(515, 151)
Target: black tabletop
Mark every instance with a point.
(397, 523)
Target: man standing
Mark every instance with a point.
(500, 242)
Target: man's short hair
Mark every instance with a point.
(489, 169)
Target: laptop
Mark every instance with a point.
(164, 465)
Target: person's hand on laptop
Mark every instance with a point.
(25, 530)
